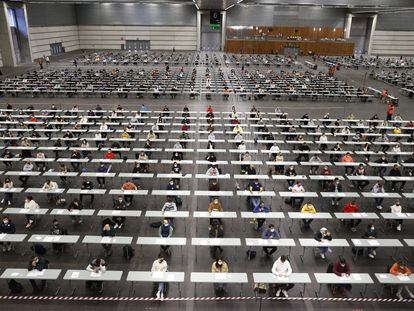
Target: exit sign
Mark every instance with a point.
(215, 26)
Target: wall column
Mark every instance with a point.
(371, 33)
(223, 29)
(6, 43)
(198, 30)
(348, 24)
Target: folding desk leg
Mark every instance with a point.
(304, 288)
(303, 254)
(241, 290)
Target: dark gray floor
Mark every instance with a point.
(237, 262)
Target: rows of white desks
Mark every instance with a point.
(239, 193)
(236, 278)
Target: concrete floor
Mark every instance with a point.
(237, 262)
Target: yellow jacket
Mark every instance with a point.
(223, 269)
(308, 208)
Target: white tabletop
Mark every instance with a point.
(324, 243)
(354, 278)
(84, 275)
(270, 242)
(210, 277)
(270, 278)
(97, 239)
(161, 241)
(148, 276)
(216, 241)
(121, 213)
(45, 274)
(377, 243)
(47, 238)
(388, 278)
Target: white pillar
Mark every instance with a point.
(6, 41)
(348, 24)
(223, 29)
(371, 33)
(198, 30)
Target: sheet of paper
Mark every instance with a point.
(383, 276)
(2, 236)
(159, 241)
(56, 238)
(373, 242)
(116, 212)
(171, 277)
(74, 275)
(48, 239)
(356, 214)
(106, 239)
(357, 242)
(15, 274)
(96, 275)
(364, 214)
(403, 278)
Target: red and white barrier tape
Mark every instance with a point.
(88, 298)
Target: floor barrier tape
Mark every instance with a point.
(167, 299)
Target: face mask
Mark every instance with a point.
(165, 225)
(119, 200)
(272, 230)
(5, 222)
(160, 260)
(372, 228)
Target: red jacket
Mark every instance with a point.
(109, 155)
(338, 269)
(351, 208)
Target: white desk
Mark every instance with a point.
(24, 274)
(12, 237)
(167, 214)
(47, 238)
(120, 213)
(25, 211)
(332, 278)
(171, 192)
(390, 195)
(324, 243)
(294, 278)
(213, 193)
(334, 194)
(214, 214)
(128, 192)
(154, 277)
(209, 277)
(77, 212)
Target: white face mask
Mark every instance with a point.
(272, 230)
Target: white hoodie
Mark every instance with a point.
(282, 268)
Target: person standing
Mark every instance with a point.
(160, 265)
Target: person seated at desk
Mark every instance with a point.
(87, 185)
(371, 233)
(102, 168)
(378, 188)
(109, 155)
(211, 145)
(215, 206)
(273, 151)
(85, 144)
(108, 231)
(38, 263)
(160, 266)
(238, 129)
(7, 226)
(308, 208)
(322, 235)
(245, 157)
(297, 188)
(254, 186)
(219, 266)
(347, 158)
(213, 171)
(57, 229)
(97, 266)
(177, 156)
(119, 204)
(381, 169)
(151, 136)
(211, 136)
(400, 269)
(303, 152)
(67, 138)
(341, 269)
(261, 208)
(76, 156)
(50, 186)
(76, 204)
(360, 171)
(396, 208)
(315, 159)
(238, 138)
(282, 268)
(7, 155)
(165, 231)
(128, 186)
(323, 139)
(216, 231)
(396, 172)
(271, 233)
(335, 157)
(8, 196)
(30, 205)
(352, 207)
(335, 186)
(26, 153)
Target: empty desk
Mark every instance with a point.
(369, 243)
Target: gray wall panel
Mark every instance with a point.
(396, 21)
(135, 14)
(50, 14)
(294, 16)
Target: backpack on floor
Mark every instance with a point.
(15, 287)
(128, 252)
